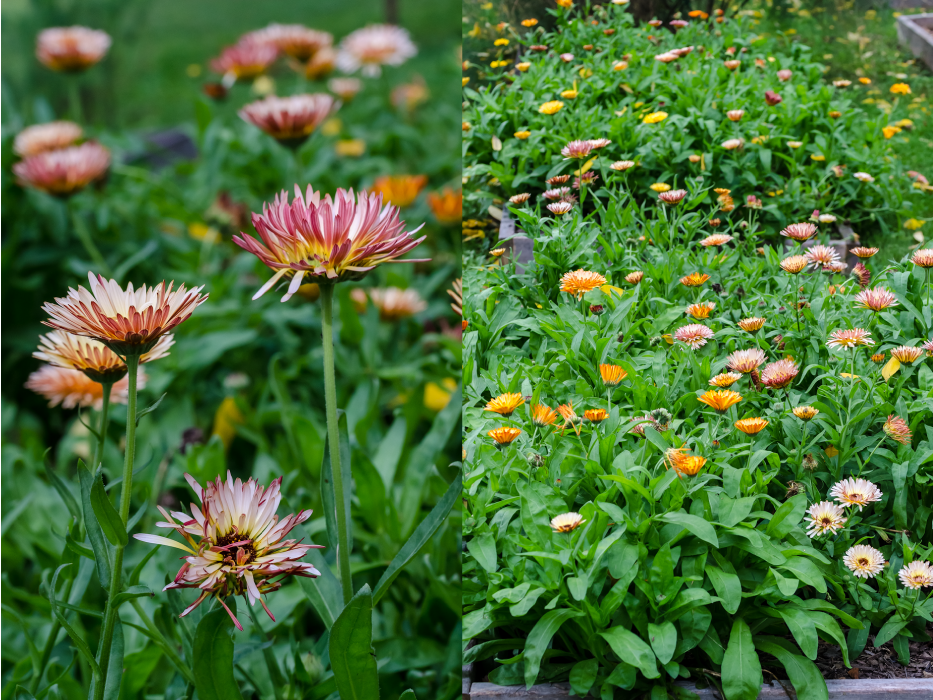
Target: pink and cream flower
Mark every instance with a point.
(235, 543)
(245, 61)
(824, 517)
(800, 232)
(290, 120)
(340, 238)
(374, 46)
(294, 40)
(694, 335)
(876, 299)
(716, 239)
(395, 304)
(864, 561)
(906, 353)
(559, 207)
(65, 171)
(92, 357)
(780, 374)
(725, 380)
(672, 197)
(917, 574)
(577, 149)
(50, 136)
(71, 49)
(745, 361)
(821, 256)
(923, 258)
(855, 492)
(849, 338)
(74, 389)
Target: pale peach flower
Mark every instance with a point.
(694, 335)
(916, 574)
(864, 561)
(374, 46)
(745, 361)
(855, 492)
(824, 517)
(65, 171)
(71, 49)
(45, 137)
(74, 389)
(395, 304)
(294, 40)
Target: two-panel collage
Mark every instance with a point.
(606, 372)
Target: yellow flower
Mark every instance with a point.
(751, 426)
(720, 400)
(523, 66)
(660, 187)
(522, 135)
(595, 415)
(694, 279)
(437, 396)
(552, 107)
(501, 42)
(805, 413)
(350, 148)
(654, 118)
(505, 404)
(900, 89)
(464, 82)
(817, 157)
(865, 81)
(913, 224)
(890, 131)
(569, 94)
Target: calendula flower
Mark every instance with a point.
(784, 75)
(295, 40)
(826, 218)
(595, 415)
(497, 252)
(863, 177)
(861, 273)
(694, 279)
(64, 171)
(897, 429)
(542, 415)
(673, 196)
(569, 94)
(850, 338)
(235, 542)
(855, 492)
(725, 380)
(612, 374)
(399, 190)
(751, 426)
(45, 137)
(579, 282)
(340, 238)
(794, 264)
(522, 135)
(917, 574)
(720, 400)
(732, 144)
(635, 277)
(876, 299)
(878, 357)
(92, 357)
(588, 178)
(370, 48)
(523, 66)
(735, 115)
(599, 143)
(805, 413)
(900, 89)
(566, 522)
(395, 304)
(660, 187)
(641, 422)
(864, 561)
(732, 64)
(529, 22)
(246, 60)
(129, 322)
(519, 198)
(505, 404)
(842, 83)
(559, 208)
(504, 436)
(71, 49)
(74, 389)
(552, 107)
(745, 361)
(751, 325)
(289, 120)
(821, 255)
(780, 374)
(621, 165)
(684, 463)
(654, 118)
(566, 57)
(863, 252)
(800, 232)
(694, 335)
(570, 417)
(920, 258)
(701, 310)
(323, 62)
(447, 206)
(576, 149)
(906, 353)
(345, 88)
(557, 194)
(772, 98)
(824, 517)
(716, 239)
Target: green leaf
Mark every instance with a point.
(483, 549)
(632, 649)
(352, 657)
(787, 516)
(727, 587)
(63, 491)
(408, 695)
(663, 639)
(534, 512)
(696, 525)
(107, 516)
(79, 643)
(422, 534)
(889, 629)
(803, 673)
(102, 553)
(213, 657)
(582, 676)
(327, 484)
(540, 638)
(741, 669)
(149, 409)
(131, 593)
(803, 629)
(806, 571)
(115, 665)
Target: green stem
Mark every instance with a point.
(275, 675)
(89, 246)
(333, 440)
(102, 430)
(116, 572)
(50, 643)
(74, 100)
(165, 644)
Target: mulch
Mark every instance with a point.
(877, 663)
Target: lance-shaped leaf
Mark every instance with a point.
(102, 552)
(107, 516)
(213, 657)
(352, 657)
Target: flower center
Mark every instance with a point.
(243, 553)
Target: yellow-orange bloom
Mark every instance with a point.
(720, 400)
(595, 415)
(505, 435)
(751, 426)
(900, 89)
(684, 463)
(805, 413)
(701, 310)
(579, 282)
(447, 206)
(552, 107)
(660, 187)
(505, 404)
(399, 190)
(529, 22)
(906, 353)
(725, 380)
(752, 325)
(716, 239)
(542, 415)
(694, 279)
(654, 118)
(612, 374)
(794, 264)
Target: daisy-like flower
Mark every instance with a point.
(576, 149)
(684, 463)
(497, 252)
(824, 517)
(897, 429)
(720, 400)
(505, 404)
(863, 177)
(570, 417)
(504, 436)
(566, 522)
(725, 380)
(849, 338)
(612, 374)
(374, 46)
(805, 413)
(780, 374)
(637, 276)
(74, 389)
(622, 165)
(717, 239)
(654, 118)
(878, 357)
(732, 144)
(751, 426)
(559, 207)
(666, 57)
(588, 178)
(701, 310)
(821, 255)
(447, 207)
(752, 325)
(129, 322)
(745, 361)
(906, 354)
(395, 304)
(672, 197)
(557, 193)
(542, 415)
(579, 282)
(735, 115)
(863, 252)
(864, 561)
(290, 120)
(694, 335)
(339, 239)
(917, 574)
(855, 492)
(50, 136)
(928, 347)
(557, 180)
(732, 64)
(552, 107)
(920, 258)
(599, 143)
(65, 171)
(71, 49)
(800, 232)
(876, 299)
(595, 415)
(641, 423)
(245, 61)
(400, 190)
(91, 357)
(519, 198)
(694, 279)
(345, 88)
(862, 274)
(784, 75)
(794, 264)
(235, 542)
(659, 187)
(295, 40)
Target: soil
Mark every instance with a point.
(876, 663)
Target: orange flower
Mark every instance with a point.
(751, 325)
(701, 310)
(906, 353)
(717, 239)
(579, 282)
(595, 415)
(725, 380)
(505, 404)
(542, 415)
(684, 463)
(805, 413)
(720, 400)
(694, 279)
(635, 277)
(447, 206)
(794, 264)
(612, 374)
(751, 426)
(505, 435)
(399, 190)
(897, 429)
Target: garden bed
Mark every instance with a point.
(916, 32)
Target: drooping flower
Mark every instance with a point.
(50, 136)
(923, 258)
(780, 374)
(716, 239)
(794, 264)
(290, 120)
(505, 435)
(129, 322)
(505, 404)
(694, 335)
(745, 361)
(916, 574)
(246, 60)
(612, 375)
(395, 304)
(579, 282)
(235, 542)
(897, 429)
(862, 274)
(595, 415)
(293, 40)
(701, 310)
(805, 413)
(566, 522)
(800, 232)
(694, 279)
(864, 561)
(906, 353)
(74, 389)
(725, 380)
(855, 492)
(752, 325)
(340, 239)
(824, 517)
(542, 415)
(92, 357)
(637, 276)
(71, 49)
(849, 338)
(751, 426)
(64, 171)
(372, 47)
(720, 400)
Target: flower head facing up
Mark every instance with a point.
(612, 375)
(673, 196)
(824, 517)
(694, 279)
(71, 49)
(370, 48)
(805, 413)
(340, 238)
(849, 338)
(864, 561)
(595, 415)
(794, 264)
(579, 282)
(863, 252)
(751, 426)
(821, 256)
(720, 400)
(129, 322)
(50, 136)
(917, 574)
(906, 353)
(576, 150)
(505, 435)
(235, 542)
(542, 415)
(897, 429)
(752, 325)
(745, 361)
(293, 40)
(780, 374)
(65, 171)
(505, 404)
(92, 357)
(725, 380)
(923, 258)
(800, 232)
(245, 61)
(74, 389)
(552, 107)
(637, 276)
(855, 492)
(694, 335)
(566, 522)
(701, 310)
(395, 304)
(290, 120)
(876, 299)
(717, 239)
